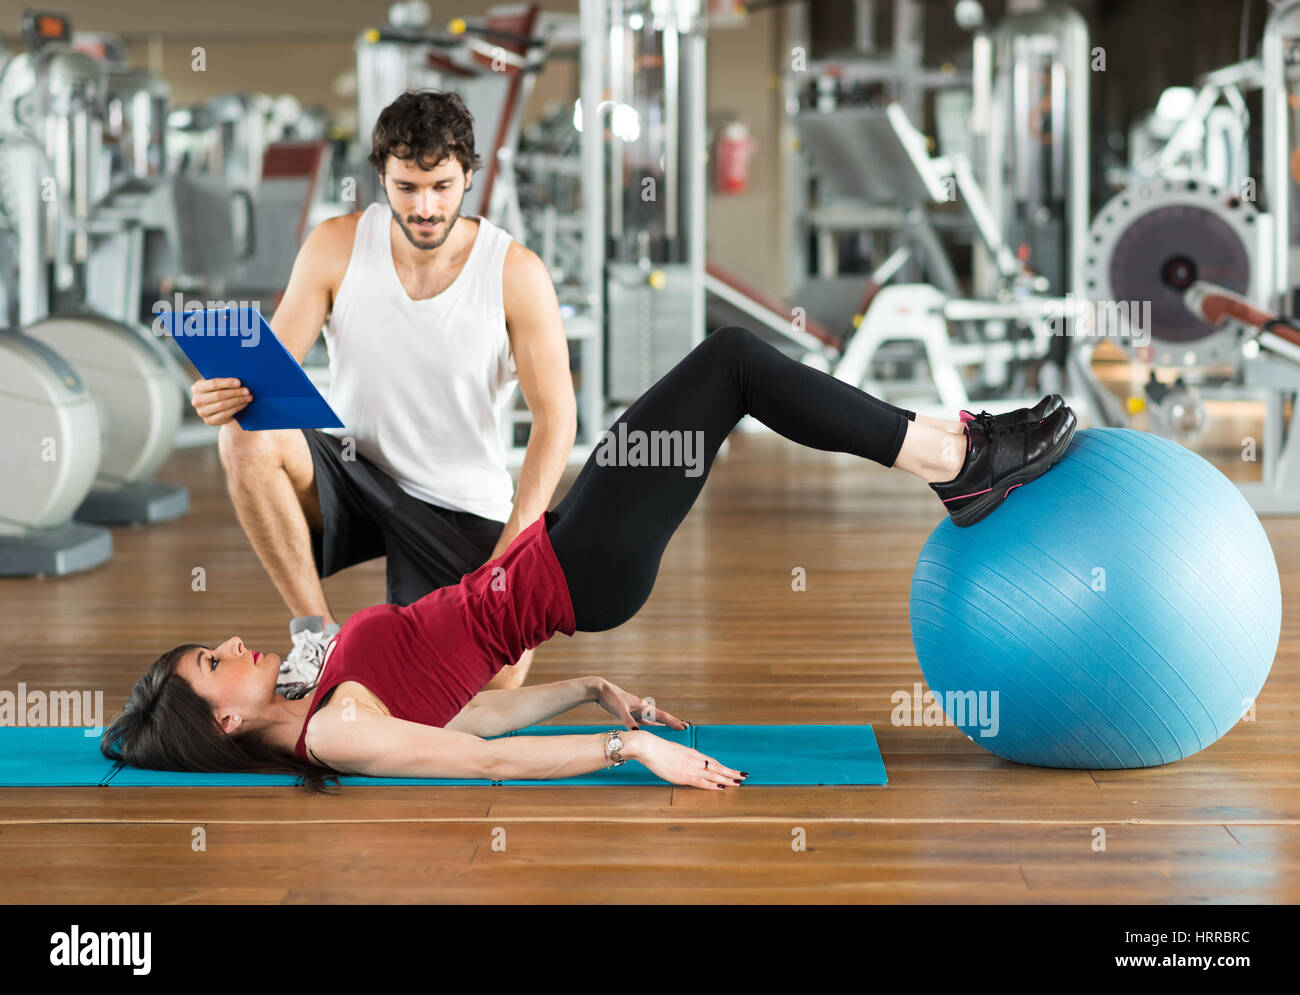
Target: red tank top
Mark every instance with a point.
(426, 660)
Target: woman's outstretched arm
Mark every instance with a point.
(365, 741)
(497, 712)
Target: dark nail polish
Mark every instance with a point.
(743, 774)
(736, 779)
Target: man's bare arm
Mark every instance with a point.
(307, 300)
(541, 354)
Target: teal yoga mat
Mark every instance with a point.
(773, 755)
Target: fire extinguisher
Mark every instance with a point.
(734, 148)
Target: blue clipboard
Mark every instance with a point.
(238, 343)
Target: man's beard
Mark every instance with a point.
(420, 241)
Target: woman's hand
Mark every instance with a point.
(674, 762)
(632, 710)
(678, 764)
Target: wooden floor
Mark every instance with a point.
(723, 639)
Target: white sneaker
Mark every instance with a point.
(303, 664)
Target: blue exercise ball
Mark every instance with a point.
(1122, 610)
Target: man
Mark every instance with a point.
(432, 318)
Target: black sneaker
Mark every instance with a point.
(998, 460)
(1021, 416)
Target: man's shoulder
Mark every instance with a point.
(342, 226)
(520, 259)
(329, 248)
(526, 283)
(331, 240)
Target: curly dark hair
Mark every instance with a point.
(427, 127)
(165, 725)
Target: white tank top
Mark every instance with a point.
(424, 386)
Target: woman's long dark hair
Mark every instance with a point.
(166, 725)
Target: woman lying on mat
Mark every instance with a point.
(399, 694)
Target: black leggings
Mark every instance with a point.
(612, 527)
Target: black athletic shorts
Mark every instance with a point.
(367, 515)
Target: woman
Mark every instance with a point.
(399, 692)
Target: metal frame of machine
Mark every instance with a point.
(644, 273)
(1032, 151)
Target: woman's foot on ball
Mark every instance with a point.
(999, 459)
(1021, 416)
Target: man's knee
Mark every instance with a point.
(732, 337)
(248, 457)
(240, 450)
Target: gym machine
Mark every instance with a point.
(884, 158)
(48, 456)
(1190, 276)
(828, 205)
(53, 103)
(1019, 175)
(643, 167)
(50, 450)
(1198, 132)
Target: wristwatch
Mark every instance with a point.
(613, 744)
